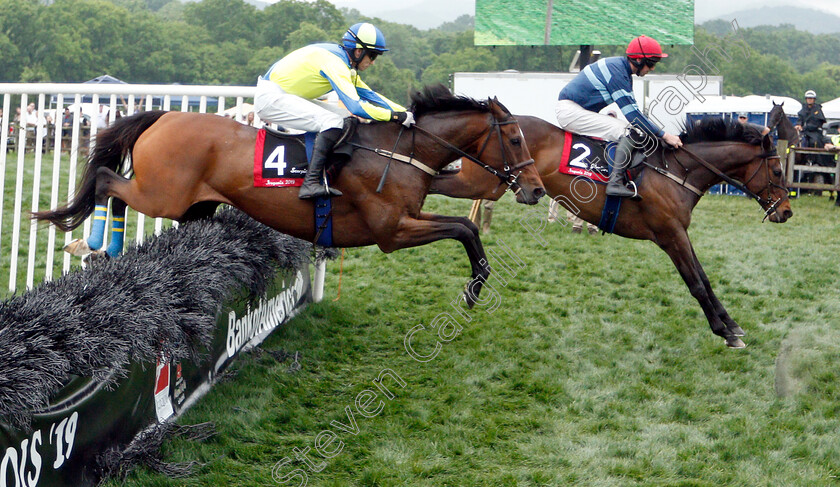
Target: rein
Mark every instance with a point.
(507, 177)
(765, 156)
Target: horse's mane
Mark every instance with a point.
(438, 98)
(714, 129)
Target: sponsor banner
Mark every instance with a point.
(86, 419)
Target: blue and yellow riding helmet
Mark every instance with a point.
(363, 36)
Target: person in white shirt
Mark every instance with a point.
(102, 117)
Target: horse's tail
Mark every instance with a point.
(113, 145)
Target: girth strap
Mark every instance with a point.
(399, 157)
(682, 182)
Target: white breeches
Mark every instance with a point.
(576, 119)
(272, 104)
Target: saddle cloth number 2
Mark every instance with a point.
(277, 160)
(580, 160)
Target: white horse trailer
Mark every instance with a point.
(662, 97)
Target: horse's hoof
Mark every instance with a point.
(736, 330)
(95, 258)
(468, 298)
(78, 248)
(735, 342)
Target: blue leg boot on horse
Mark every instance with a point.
(90, 248)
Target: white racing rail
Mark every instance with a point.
(73, 140)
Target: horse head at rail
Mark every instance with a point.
(777, 119)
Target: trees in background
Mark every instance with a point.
(232, 42)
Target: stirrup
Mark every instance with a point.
(636, 196)
(310, 192)
(622, 191)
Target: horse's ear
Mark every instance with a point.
(767, 142)
(495, 104)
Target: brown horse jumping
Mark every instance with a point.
(185, 164)
(664, 214)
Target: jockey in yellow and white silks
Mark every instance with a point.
(286, 94)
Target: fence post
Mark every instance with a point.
(318, 285)
(791, 160)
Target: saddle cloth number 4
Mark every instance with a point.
(277, 160)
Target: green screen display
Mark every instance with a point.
(576, 22)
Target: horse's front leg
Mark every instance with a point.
(411, 232)
(678, 247)
(475, 250)
(731, 325)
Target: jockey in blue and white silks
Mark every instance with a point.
(286, 94)
(608, 81)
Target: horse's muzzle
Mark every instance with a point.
(529, 196)
(781, 216)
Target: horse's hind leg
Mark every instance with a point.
(200, 211)
(100, 213)
(97, 230)
(106, 182)
(118, 207)
(154, 197)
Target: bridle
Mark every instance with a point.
(771, 205)
(510, 175)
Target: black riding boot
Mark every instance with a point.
(618, 177)
(312, 184)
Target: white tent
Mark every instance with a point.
(714, 105)
(831, 109)
(756, 103)
(757, 107)
(749, 104)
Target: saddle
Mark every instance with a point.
(593, 158)
(281, 159)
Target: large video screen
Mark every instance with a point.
(582, 22)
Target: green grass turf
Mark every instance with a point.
(584, 375)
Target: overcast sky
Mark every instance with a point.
(709, 9)
(703, 9)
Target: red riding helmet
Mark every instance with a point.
(644, 47)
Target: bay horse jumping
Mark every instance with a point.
(664, 213)
(185, 164)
